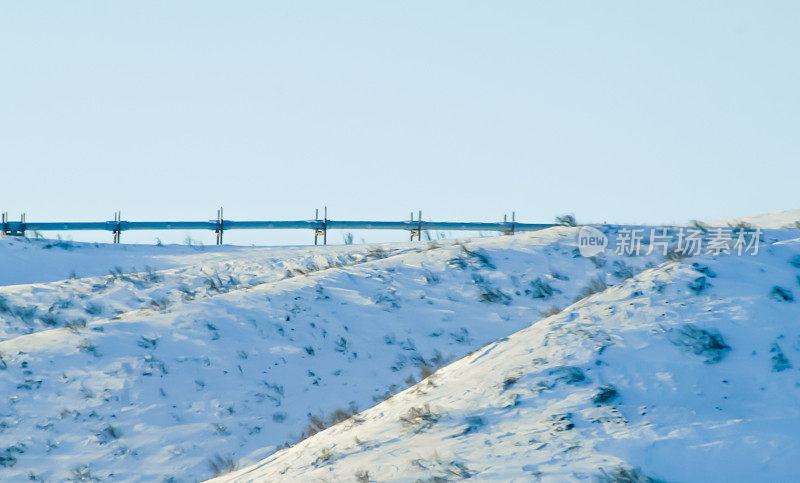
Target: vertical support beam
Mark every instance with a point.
(117, 225)
(509, 229)
(220, 226)
(418, 231)
(316, 230)
(324, 230)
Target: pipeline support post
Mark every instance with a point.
(117, 225)
(316, 227)
(18, 230)
(418, 231)
(509, 229)
(4, 222)
(324, 231)
(220, 227)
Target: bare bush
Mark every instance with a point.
(674, 254)
(595, 285)
(540, 289)
(699, 225)
(219, 465)
(781, 294)
(82, 473)
(605, 394)
(624, 475)
(779, 360)
(698, 285)
(553, 310)
(567, 220)
(622, 270)
(320, 423)
(419, 418)
(701, 342)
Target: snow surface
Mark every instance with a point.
(203, 355)
(151, 374)
(775, 219)
(686, 372)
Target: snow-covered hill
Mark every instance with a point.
(220, 354)
(686, 372)
(775, 219)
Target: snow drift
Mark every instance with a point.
(686, 372)
(202, 360)
(213, 357)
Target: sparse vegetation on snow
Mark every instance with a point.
(208, 360)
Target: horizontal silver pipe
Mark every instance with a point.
(52, 226)
(16, 226)
(165, 225)
(456, 226)
(270, 225)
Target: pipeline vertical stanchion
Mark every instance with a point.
(21, 230)
(117, 225)
(418, 231)
(509, 229)
(316, 228)
(324, 230)
(4, 218)
(220, 226)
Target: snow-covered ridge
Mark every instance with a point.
(198, 273)
(157, 391)
(686, 372)
(773, 220)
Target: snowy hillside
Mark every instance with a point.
(217, 354)
(686, 372)
(775, 219)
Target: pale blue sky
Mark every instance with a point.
(617, 111)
